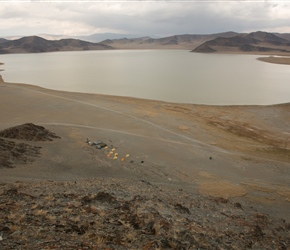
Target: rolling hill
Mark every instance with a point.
(2, 40)
(35, 44)
(185, 41)
(227, 42)
(260, 42)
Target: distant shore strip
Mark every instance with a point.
(275, 59)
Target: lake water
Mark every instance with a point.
(168, 75)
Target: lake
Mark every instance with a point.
(168, 75)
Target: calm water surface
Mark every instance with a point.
(168, 75)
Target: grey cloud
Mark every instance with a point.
(144, 18)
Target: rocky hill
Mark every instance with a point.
(35, 44)
(252, 42)
(283, 35)
(233, 42)
(2, 40)
(185, 41)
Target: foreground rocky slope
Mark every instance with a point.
(121, 214)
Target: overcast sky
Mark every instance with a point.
(152, 18)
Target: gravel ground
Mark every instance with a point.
(121, 214)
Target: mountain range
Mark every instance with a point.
(253, 42)
(172, 42)
(35, 44)
(228, 42)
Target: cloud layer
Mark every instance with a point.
(153, 18)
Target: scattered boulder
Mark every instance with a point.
(181, 209)
(105, 197)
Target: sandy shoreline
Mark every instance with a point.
(237, 153)
(277, 60)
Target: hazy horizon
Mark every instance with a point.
(142, 18)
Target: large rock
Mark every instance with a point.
(28, 132)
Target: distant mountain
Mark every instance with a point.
(283, 35)
(253, 42)
(2, 40)
(54, 37)
(35, 44)
(96, 38)
(185, 41)
(227, 42)
(45, 36)
(268, 38)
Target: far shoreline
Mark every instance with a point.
(138, 99)
(276, 59)
(268, 57)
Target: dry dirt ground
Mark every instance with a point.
(178, 176)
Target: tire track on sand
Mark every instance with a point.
(120, 132)
(194, 142)
(197, 142)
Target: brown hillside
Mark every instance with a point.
(35, 44)
(259, 42)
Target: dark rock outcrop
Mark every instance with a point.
(28, 132)
(12, 153)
